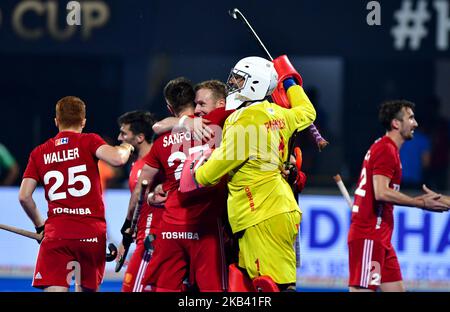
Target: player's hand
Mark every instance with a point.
(289, 170)
(148, 242)
(431, 202)
(285, 172)
(427, 190)
(158, 197)
(127, 238)
(199, 126)
(444, 199)
(40, 230)
(120, 252)
(295, 178)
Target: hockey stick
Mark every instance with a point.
(133, 228)
(109, 256)
(313, 131)
(22, 232)
(337, 178)
(112, 254)
(236, 14)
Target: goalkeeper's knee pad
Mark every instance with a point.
(238, 281)
(265, 284)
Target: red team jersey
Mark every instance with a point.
(67, 167)
(148, 222)
(150, 216)
(372, 219)
(191, 238)
(168, 154)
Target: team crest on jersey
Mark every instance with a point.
(61, 141)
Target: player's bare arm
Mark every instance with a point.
(29, 206)
(384, 193)
(165, 125)
(26, 200)
(198, 125)
(115, 155)
(148, 173)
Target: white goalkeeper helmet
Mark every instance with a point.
(252, 79)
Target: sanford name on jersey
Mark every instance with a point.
(176, 138)
(61, 156)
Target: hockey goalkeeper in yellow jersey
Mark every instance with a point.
(262, 209)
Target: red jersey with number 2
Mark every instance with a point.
(372, 219)
(169, 151)
(67, 167)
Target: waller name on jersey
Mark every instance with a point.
(60, 156)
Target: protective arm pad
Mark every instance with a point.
(285, 70)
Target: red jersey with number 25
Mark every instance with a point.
(372, 219)
(67, 167)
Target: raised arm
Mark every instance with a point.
(198, 125)
(165, 125)
(304, 111)
(115, 155)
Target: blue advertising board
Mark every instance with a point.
(421, 239)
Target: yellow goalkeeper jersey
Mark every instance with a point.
(254, 147)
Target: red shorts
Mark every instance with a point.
(371, 264)
(182, 253)
(136, 268)
(60, 261)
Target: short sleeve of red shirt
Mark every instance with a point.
(31, 170)
(95, 141)
(151, 158)
(218, 116)
(384, 161)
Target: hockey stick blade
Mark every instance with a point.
(112, 254)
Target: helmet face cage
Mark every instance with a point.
(251, 80)
(233, 82)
